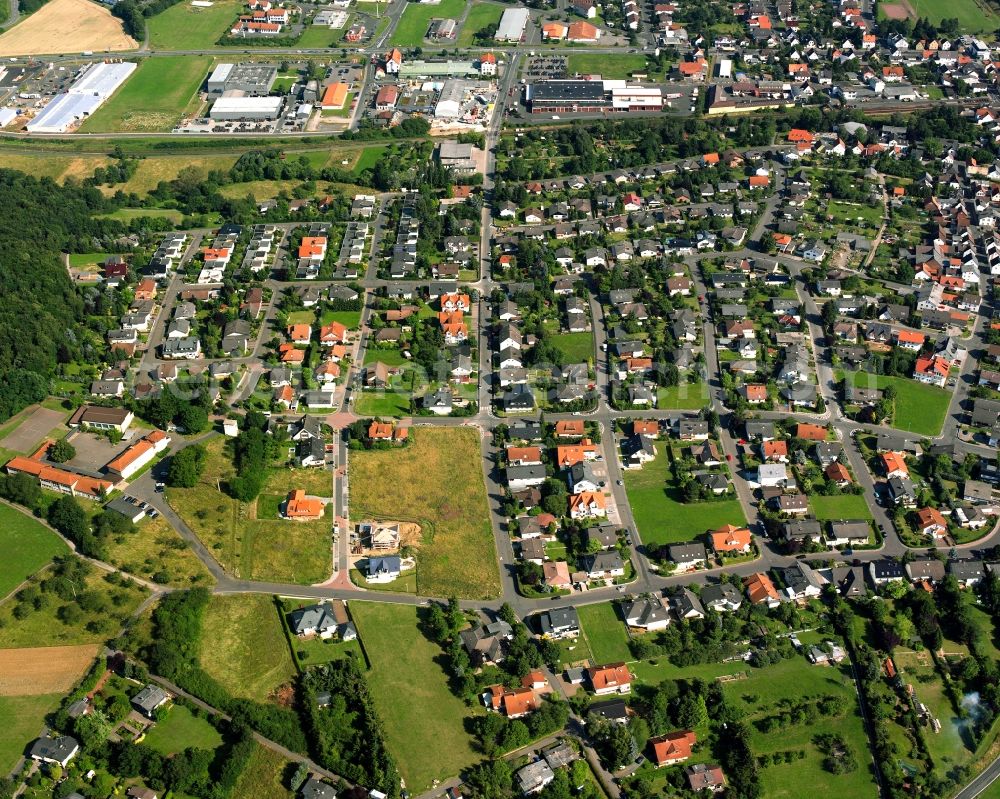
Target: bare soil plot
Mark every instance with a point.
(43, 670)
(30, 432)
(896, 10)
(66, 26)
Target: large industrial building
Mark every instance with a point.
(512, 25)
(88, 92)
(257, 109)
(254, 80)
(591, 97)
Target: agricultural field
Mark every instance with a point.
(605, 633)
(437, 482)
(66, 26)
(157, 552)
(181, 729)
(43, 669)
(920, 408)
(243, 646)
(758, 696)
(413, 24)
(659, 513)
(154, 98)
(426, 734)
(185, 27)
(27, 546)
(844, 506)
(249, 546)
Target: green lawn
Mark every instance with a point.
(181, 729)
(23, 718)
(184, 27)
(26, 544)
(973, 17)
(480, 16)
(575, 347)
(919, 408)
(660, 515)
(154, 98)
(350, 319)
(84, 259)
(844, 506)
(683, 397)
(369, 157)
(391, 357)
(315, 36)
(758, 696)
(426, 733)
(605, 633)
(609, 67)
(436, 481)
(413, 24)
(379, 403)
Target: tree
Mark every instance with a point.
(62, 451)
(70, 519)
(186, 466)
(193, 418)
(23, 489)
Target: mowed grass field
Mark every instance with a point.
(919, 408)
(480, 16)
(575, 347)
(424, 722)
(244, 647)
(181, 729)
(844, 506)
(185, 27)
(660, 515)
(27, 545)
(758, 696)
(413, 24)
(154, 98)
(437, 481)
(611, 67)
(605, 633)
(973, 16)
(23, 718)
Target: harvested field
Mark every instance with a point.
(66, 26)
(43, 670)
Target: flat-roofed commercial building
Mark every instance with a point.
(252, 108)
(254, 80)
(567, 96)
(88, 92)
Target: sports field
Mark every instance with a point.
(185, 27)
(426, 733)
(27, 545)
(413, 24)
(66, 26)
(154, 98)
(437, 482)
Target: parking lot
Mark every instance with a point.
(542, 67)
(94, 451)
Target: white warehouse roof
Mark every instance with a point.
(102, 79)
(220, 73)
(512, 24)
(251, 106)
(62, 111)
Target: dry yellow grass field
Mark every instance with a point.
(66, 26)
(43, 670)
(52, 165)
